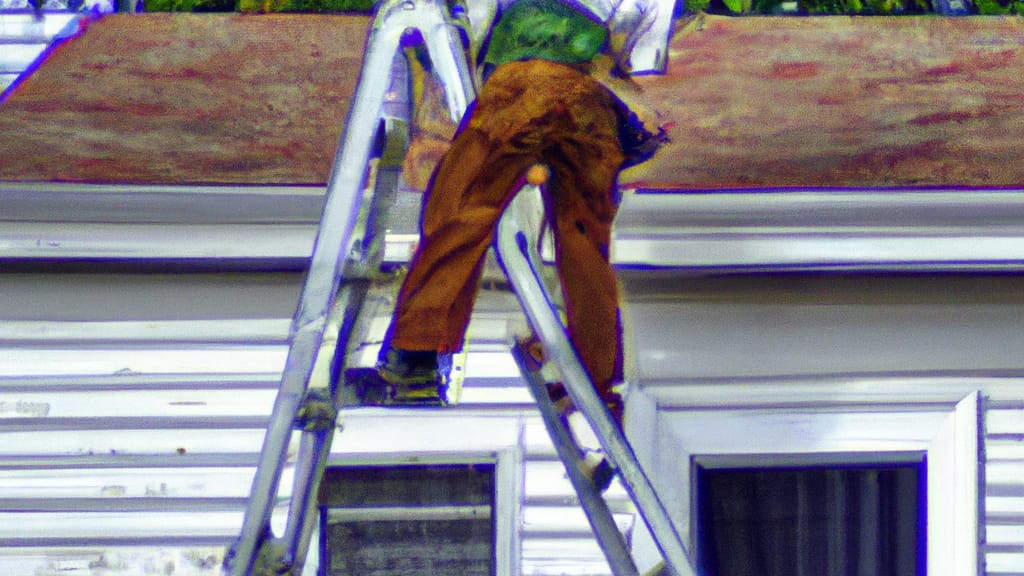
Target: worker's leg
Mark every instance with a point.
(469, 191)
(580, 198)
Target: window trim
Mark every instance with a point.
(673, 441)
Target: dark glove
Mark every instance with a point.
(638, 143)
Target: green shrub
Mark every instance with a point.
(1000, 7)
(314, 6)
(816, 7)
(322, 6)
(190, 5)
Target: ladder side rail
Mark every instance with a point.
(449, 58)
(514, 246)
(445, 47)
(318, 434)
(332, 247)
(612, 543)
(313, 449)
(647, 25)
(333, 242)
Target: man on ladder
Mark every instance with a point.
(547, 103)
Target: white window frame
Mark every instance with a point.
(508, 487)
(670, 443)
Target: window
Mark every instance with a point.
(408, 520)
(823, 521)
(895, 428)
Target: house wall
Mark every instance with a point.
(844, 364)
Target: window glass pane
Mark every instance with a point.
(410, 548)
(864, 521)
(428, 520)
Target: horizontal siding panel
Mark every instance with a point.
(142, 404)
(1005, 422)
(138, 382)
(867, 390)
(1006, 508)
(141, 297)
(1010, 473)
(39, 361)
(161, 204)
(116, 461)
(144, 442)
(1005, 564)
(565, 521)
(489, 392)
(565, 552)
(1005, 535)
(536, 441)
(148, 505)
(1010, 450)
(53, 528)
(130, 423)
(130, 483)
(547, 480)
(793, 327)
(212, 331)
(288, 244)
(1004, 477)
(498, 364)
(113, 561)
(560, 567)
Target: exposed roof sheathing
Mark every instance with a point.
(180, 98)
(840, 101)
(752, 102)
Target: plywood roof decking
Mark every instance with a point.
(839, 101)
(760, 101)
(179, 98)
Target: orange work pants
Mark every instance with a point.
(527, 112)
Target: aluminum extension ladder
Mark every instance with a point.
(518, 245)
(336, 282)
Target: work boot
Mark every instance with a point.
(414, 377)
(407, 367)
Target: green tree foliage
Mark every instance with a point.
(1000, 7)
(190, 5)
(309, 6)
(331, 6)
(817, 7)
